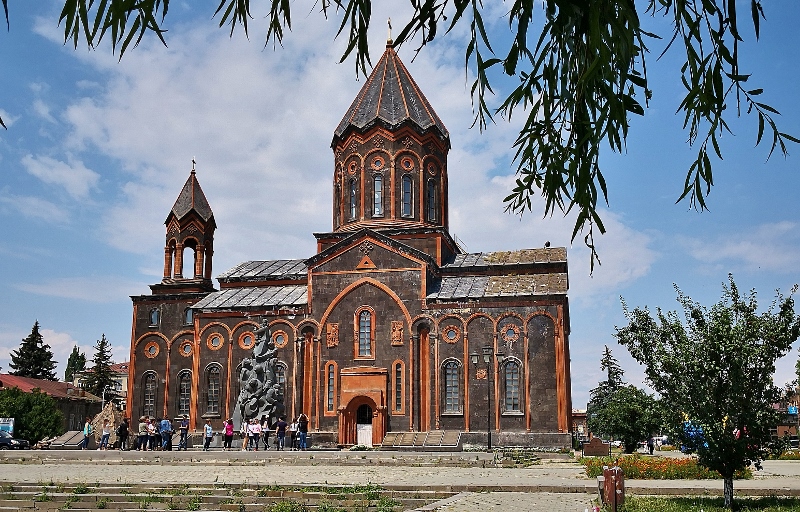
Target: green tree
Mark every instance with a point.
(578, 86)
(75, 363)
(36, 415)
(617, 411)
(33, 358)
(715, 372)
(100, 375)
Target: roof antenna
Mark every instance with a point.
(193, 164)
(389, 41)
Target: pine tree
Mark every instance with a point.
(100, 376)
(76, 363)
(33, 358)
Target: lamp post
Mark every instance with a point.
(103, 402)
(487, 352)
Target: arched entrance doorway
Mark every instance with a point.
(364, 425)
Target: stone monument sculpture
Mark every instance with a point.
(259, 390)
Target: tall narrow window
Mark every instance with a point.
(406, 210)
(149, 389)
(511, 373)
(377, 196)
(188, 316)
(184, 392)
(452, 387)
(154, 316)
(280, 378)
(213, 390)
(352, 199)
(398, 387)
(331, 377)
(365, 334)
(432, 206)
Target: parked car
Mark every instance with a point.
(7, 442)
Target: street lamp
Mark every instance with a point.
(103, 402)
(487, 359)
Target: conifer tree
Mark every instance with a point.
(100, 376)
(33, 358)
(76, 363)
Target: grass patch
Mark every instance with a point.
(286, 506)
(656, 468)
(81, 489)
(790, 455)
(386, 504)
(102, 503)
(709, 504)
(194, 503)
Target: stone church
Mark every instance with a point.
(390, 334)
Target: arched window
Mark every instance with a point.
(184, 392)
(377, 196)
(365, 325)
(149, 388)
(353, 199)
(280, 378)
(511, 378)
(408, 199)
(398, 386)
(154, 316)
(452, 386)
(213, 387)
(188, 316)
(336, 204)
(331, 386)
(432, 206)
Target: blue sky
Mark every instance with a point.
(97, 151)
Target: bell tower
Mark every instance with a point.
(189, 247)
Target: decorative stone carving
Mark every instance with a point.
(397, 332)
(332, 335)
(451, 334)
(480, 374)
(366, 247)
(259, 389)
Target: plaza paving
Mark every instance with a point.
(555, 485)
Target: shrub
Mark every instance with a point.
(655, 468)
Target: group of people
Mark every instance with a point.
(156, 434)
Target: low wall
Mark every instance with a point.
(550, 440)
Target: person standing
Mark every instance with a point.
(265, 430)
(184, 431)
(280, 432)
(87, 432)
(166, 434)
(122, 433)
(152, 434)
(651, 445)
(228, 434)
(302, 427)
(243, 433)
(143, 435)
(105, 435)
(208, 432)
(293, 435)
(256, 429)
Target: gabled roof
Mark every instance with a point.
(483, 287)
(508, 259)
(191, 198)
(258, 297)
(55, 389)
(380, 237)
(115, 368)
(391, 97)
(263, 270)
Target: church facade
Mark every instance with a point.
(390, 327)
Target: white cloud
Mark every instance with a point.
(73, 175)
(32, 207)
(97, 289)
(772, 247)
(8, 119)
(43, 111)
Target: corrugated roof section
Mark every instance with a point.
(477, 287)
(267, 269)
(255, 297)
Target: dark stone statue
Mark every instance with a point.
(258, 384)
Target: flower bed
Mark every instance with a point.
(655, 468)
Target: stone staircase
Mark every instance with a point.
(435, 440)
(234, 498)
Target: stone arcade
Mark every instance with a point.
(374, 333)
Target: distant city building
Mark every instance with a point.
(376, 331)
(73, 402)
(119, 373)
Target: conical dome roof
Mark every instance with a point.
(192, 198)
(392, 98)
